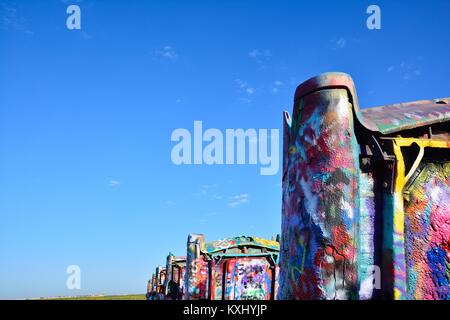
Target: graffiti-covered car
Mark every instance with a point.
(239, 268)
(155, 287)
(150, 295)
(175, 274)
(366, 196)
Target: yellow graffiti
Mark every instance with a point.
(265, 242)
(302, 242)
(293, 273)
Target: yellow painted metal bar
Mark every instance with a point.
(399, 214)
(423, 143)
(399, 228)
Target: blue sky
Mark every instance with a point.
(86, 118)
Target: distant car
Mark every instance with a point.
(237, 268)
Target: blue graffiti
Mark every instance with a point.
(437, 258)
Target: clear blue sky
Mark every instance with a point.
(86, 118)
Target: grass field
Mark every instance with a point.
(100, 297)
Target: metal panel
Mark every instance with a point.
(320, 203)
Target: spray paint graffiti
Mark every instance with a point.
(196, 280)
(319, 200)
(248, 279)
(240, 268)
(427, 221)
(344, 184)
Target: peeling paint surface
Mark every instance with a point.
(428, 233)
(402, 116)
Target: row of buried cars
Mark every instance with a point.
(238, 268)
(365, 209)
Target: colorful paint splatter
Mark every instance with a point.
(318, 253)
(356, 222)
(428, 233)
(240, 268)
